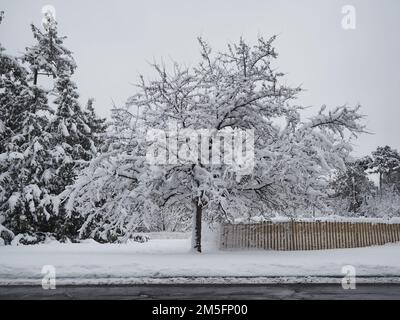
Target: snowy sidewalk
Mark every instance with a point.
(170, 261)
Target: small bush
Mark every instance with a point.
(31, 239)
(140, 238)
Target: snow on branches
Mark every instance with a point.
(41, 149)
(236, 89)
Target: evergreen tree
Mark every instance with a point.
(73, 147)
(72, 135)
(97, 125)
(48, 56)
(41, 150)
(10, 71)
(25, 198)
(13, 85)
(75, 141)
(352, 188)
(24, 176)
(385, 162)
(72, 132)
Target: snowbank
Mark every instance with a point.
(171, 258)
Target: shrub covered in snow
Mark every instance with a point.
(33, 238)
(141, 238)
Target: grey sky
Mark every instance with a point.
(113, 41)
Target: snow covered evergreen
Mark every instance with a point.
(386, 163)
(42, 149)
(352, 189)
(25, 198)
(98, 126)
(48, 56)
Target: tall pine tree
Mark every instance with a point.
(42, 150)
(385, 162)
(98, 126)
(48, 56)
(25, 198)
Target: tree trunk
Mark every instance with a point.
(35, 77)
(197, 227)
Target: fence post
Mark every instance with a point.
(370, 234)
(362, 233)
(328, 235)
(292, 235)
(394, 232)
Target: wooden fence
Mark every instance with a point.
(297, 235)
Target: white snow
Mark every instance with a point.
(2, 125)
(161, 259)
(13, 200)
(64, 129)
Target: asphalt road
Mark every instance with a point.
(211, 292)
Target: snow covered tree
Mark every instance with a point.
(352, 188)
(72, 136)
(73, 143)
(48, 56)
(234, 91)
(72, 140)
(12, 77)
(24, 150)
(385, 162)
(24, 178)
(42, 150)
(13, 83)
(97, 125)
(111, 176)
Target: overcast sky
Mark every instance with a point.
(113, 42)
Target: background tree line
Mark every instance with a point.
(354, 193)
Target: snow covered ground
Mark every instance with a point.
(170, 260)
